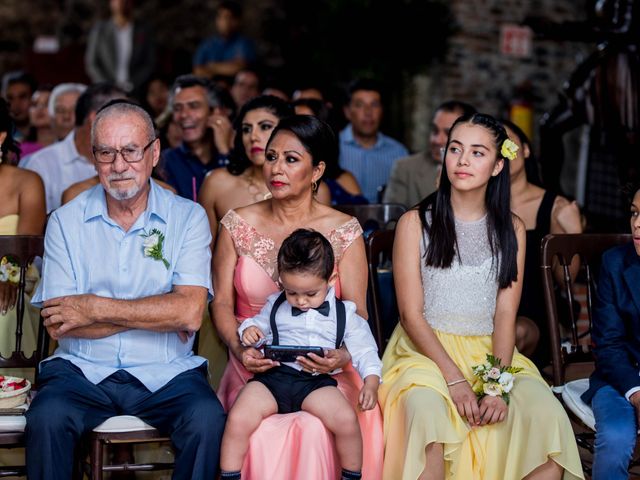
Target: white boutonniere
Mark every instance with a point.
(152, 245)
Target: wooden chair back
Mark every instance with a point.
(22, 250)
(375, 216)
(379, 248)
(561, 249)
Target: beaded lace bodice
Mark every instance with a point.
(261, 248)
(462, 299)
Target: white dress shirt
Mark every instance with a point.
(311, 328)
(60, 166)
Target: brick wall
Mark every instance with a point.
(476, 72)
(473, 70)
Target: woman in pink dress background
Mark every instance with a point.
(294, 445)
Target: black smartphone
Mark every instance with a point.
(289, 353)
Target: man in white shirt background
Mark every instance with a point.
(70, 160)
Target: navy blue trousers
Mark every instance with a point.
(68, 406)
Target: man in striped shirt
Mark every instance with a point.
(364, 150)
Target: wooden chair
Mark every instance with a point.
(122, 432)
(21, 249)
(375, 216)
(379, 248)
(571, 353)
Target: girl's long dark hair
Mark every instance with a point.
(238, 160)
(443, 244)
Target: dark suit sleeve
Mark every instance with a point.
(610, 334)
(145, 61)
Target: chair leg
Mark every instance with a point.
(96, 459)
(123, 455)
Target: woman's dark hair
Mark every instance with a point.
(501, 234)
(316, 136)
(238, 160)
(531, 165)
(321, 111)
(306, 251)
(7, 125)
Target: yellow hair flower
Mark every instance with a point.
(509, 149)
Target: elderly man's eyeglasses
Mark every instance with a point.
(129, 154)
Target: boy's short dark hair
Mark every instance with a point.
(306, 251)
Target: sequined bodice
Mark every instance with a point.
(462, 299)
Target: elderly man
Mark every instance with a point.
(124, 286)
(416, 176)
(64, 163)
(62, 107)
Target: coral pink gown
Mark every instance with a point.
(294, 445)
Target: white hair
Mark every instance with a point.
(62, 89)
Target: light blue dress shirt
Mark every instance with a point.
(370, 166)
(87, 252)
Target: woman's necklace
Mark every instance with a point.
(254, 189)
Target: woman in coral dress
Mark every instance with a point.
(295, 445)
(457, 264)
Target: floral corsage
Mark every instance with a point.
(9, 271)
(509, 149)
(153, 242)
(493, 379)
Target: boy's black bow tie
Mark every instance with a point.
(323, 309)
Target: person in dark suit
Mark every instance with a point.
(614, 386)
(121, 50)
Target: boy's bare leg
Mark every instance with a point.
(335, 412)
(254, 403)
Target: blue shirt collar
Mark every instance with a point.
(97, 205)
(347, 137)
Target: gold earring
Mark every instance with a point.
(314, 186)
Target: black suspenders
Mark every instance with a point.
(340, 320)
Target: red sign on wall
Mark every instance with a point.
(515, 40)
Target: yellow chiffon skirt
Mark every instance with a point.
(418, 411)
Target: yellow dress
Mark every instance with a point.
(417, 408)
(9, 226)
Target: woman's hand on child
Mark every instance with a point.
(332, 359)
(252, 335)
(254, 361)
(466, 402)
(369, 394)
(492, 410)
